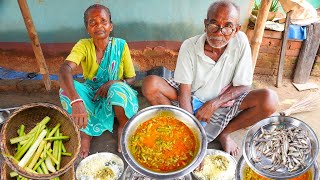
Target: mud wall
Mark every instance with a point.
(149, 54)
(59, 21)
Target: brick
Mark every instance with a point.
(315, 73)
(294, 44)
(264, 64)
(316, 67)
(272, 34)
(269, 49)
(263, 71)
(267, 34)
(288, 73)
(292, 52)
(288, 66)
(269, 57)
(291, 59)
(271, 42)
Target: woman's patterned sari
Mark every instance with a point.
(100, 111)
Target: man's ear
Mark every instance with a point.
(238, 28)
(205, 25)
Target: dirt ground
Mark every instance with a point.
(287, 93)
(18, 94)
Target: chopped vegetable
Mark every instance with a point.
(39, 150)
(37, 154)
(49, 165)
(57, 138)
(32, 149)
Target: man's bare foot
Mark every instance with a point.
(119, 138)
(85, 145)
(228, 145)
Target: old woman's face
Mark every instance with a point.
(99, 25)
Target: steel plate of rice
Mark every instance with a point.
(218, 165)
(100, 166)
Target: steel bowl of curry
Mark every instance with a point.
(163, 142)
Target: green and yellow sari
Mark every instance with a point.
(100, 111)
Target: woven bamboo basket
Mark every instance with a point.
(30, 115)
(5, 173)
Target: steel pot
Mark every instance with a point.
(153, 111)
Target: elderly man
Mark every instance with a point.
(213, 77)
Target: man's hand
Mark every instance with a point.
(103, 90)
(206, 111)
(79, 114)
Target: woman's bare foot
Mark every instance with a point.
(119, 138)
(85, 145)
(228, 145)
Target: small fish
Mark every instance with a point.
(267, 167)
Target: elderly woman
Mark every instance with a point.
(108, 72)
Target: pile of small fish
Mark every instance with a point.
(285, 147)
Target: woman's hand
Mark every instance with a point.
(103, 90)
(79, 114)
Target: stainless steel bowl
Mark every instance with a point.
(241, 165)
(130, 174)
(153, 111)
(249, 150)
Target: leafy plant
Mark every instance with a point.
(273, 8)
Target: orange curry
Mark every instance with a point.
(249, 174)
(163, 144)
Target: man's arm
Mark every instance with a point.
(230, 94)
(185, 97)
(208, 108)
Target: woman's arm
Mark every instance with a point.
(103, 90)
(66, 80)
(79, 112)
(129, 81)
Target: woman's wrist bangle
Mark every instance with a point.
(76, 100)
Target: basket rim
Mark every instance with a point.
(3, 169)
(11, 162)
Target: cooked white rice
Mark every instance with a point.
(89, 169)
(211, 172)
